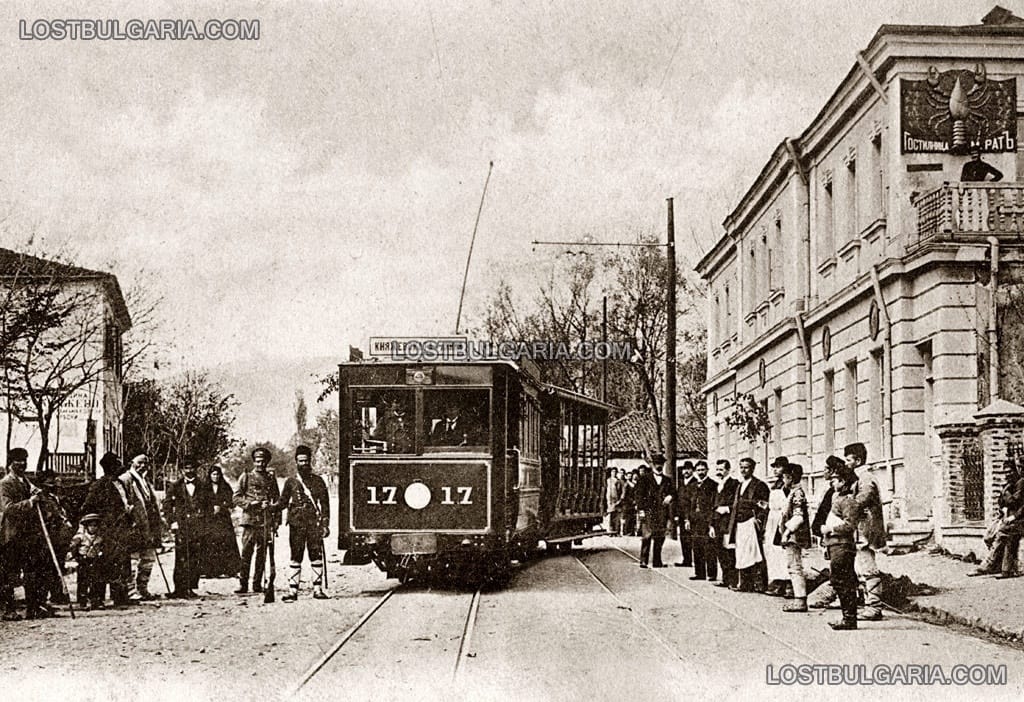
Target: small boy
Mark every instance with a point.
(838, 538)
(87, 549)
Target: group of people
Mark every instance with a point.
(755, 534)
(120, 533)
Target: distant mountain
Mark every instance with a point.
(265, 391)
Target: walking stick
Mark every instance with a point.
(156, 554)
(268, 543)
(56, 563)
(323, 552)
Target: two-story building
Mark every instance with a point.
(865, 280)
(83, 370)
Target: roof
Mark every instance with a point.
(636, 432)
(997, 22)
(15, 263)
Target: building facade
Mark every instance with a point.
(858, 290)
(80, 363)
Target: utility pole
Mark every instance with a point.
(670, 348)
(604, 340)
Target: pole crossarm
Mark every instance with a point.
(596, 243)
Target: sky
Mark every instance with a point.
(290, 196)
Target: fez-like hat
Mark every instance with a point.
(658, 459)
(17, 454)
(260, 450)
(110, 460)
(90, 518)
(856, 450)
(834, 464)
(303, 450)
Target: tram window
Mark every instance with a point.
(456, 419)
(383, 420)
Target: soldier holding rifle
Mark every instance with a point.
(256, 490)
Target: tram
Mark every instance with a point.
(461, 468)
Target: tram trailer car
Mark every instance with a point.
(462, 467)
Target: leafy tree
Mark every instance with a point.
(197, 417)
(240, 457)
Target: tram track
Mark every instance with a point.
(349, 640)
(728, 610)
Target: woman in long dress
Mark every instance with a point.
(220, 550)
(774, 553)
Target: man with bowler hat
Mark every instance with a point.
(256, 489)
(184, 506)
(654, 495)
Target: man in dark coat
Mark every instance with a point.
(718, 531)
(1002, 555)
(871, 533)
(681, 505)
(256, 490)
(700, 508)
(654, 496)
(824, 595)
(309, 514)
(18, 499)
(746, 528)
(110, 499)
(184, 508)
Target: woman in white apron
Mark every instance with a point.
(774, 553)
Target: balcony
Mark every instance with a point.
(969, 212)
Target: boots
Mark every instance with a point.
(243, 587)
(844, 624)
(319, 594)
(797, 604)
(293, 594)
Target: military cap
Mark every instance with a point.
(90, 518)
(260, 450)
(303, 450)
(17, 454)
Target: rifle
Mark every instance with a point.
(268, 542)
(56, 563)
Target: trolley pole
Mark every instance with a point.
(670, 349)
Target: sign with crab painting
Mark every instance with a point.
(958, 112)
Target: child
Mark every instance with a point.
(87, 549)
(838, 538)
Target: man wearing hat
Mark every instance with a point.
(184, 506)
(256, 489)
(309, 514)
(870, 529)
(654, 496)
(110, 499)
(148, 531)
(18, 499)
(825, 594)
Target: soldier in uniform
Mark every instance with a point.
(309, 514)
(18, 499)
(256, 490)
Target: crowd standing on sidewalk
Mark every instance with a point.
(751, 536)
(119, 536)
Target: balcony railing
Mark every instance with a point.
(966, 211)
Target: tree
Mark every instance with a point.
(328, 427)
(55, 340)
(143, 415)
(300, 410)
(197, 417)
(282, 464)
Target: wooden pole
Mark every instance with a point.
(469, 256)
